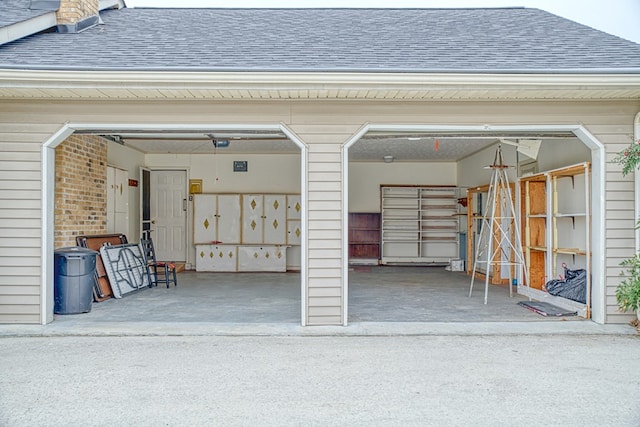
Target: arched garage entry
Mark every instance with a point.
(106, 129)
(379, 137)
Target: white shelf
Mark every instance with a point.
(419, 224)
(570, 215)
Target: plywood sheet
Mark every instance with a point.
(102, 288)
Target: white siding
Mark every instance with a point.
(20, 219)
(325, 294)
(324, 126)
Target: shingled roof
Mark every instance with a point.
(15, 11)
(502, 40)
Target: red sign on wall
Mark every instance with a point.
(133, 183)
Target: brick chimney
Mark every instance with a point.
(77, 15)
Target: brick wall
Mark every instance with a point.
(80, 188)
(73, 11)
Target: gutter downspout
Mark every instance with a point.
(636, 139)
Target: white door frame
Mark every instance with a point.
(141, 202)
(48, 187)
(598, 172)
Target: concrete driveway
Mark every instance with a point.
(429, 380)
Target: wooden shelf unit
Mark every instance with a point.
(476, 200)
(364, 236)
(534, 222)
(556, 229)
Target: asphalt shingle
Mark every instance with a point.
(372, 40)
(15, 11)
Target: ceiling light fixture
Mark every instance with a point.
(388, 159)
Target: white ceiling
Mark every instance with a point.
(372, 147)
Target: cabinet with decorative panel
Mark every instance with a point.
(245, 232)
(264, 219)
(220, 258)
(216, 218)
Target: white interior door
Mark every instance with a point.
(168, 214)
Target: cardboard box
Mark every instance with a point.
(456, 265)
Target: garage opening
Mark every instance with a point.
(224, 204)
(417, 199)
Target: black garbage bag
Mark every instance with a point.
(573, 287)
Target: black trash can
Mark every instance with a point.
(74, 270)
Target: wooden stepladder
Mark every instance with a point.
(499, 242)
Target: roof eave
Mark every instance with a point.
(26, 28)
(111, 4)
(44, 22)
(314, 85)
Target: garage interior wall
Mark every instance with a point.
(365, 179)
(267, 173)
(25, 125)
(80, 188)
(553, 154)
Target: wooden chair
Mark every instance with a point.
(158, 271)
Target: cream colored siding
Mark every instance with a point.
(620, 221)
(324, 126)
(325, 295)
(20, 219)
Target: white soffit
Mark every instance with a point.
(33, 84)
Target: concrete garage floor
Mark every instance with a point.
(376, 294)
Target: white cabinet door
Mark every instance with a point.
(275, 258)
(117, 200)
(294, 208)
(275, 219)
(262, 258)
(220, 258)
(121, 190)
(229, 218)
(252, 215)
(204, 218)
(293, 232)
(111, 199)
